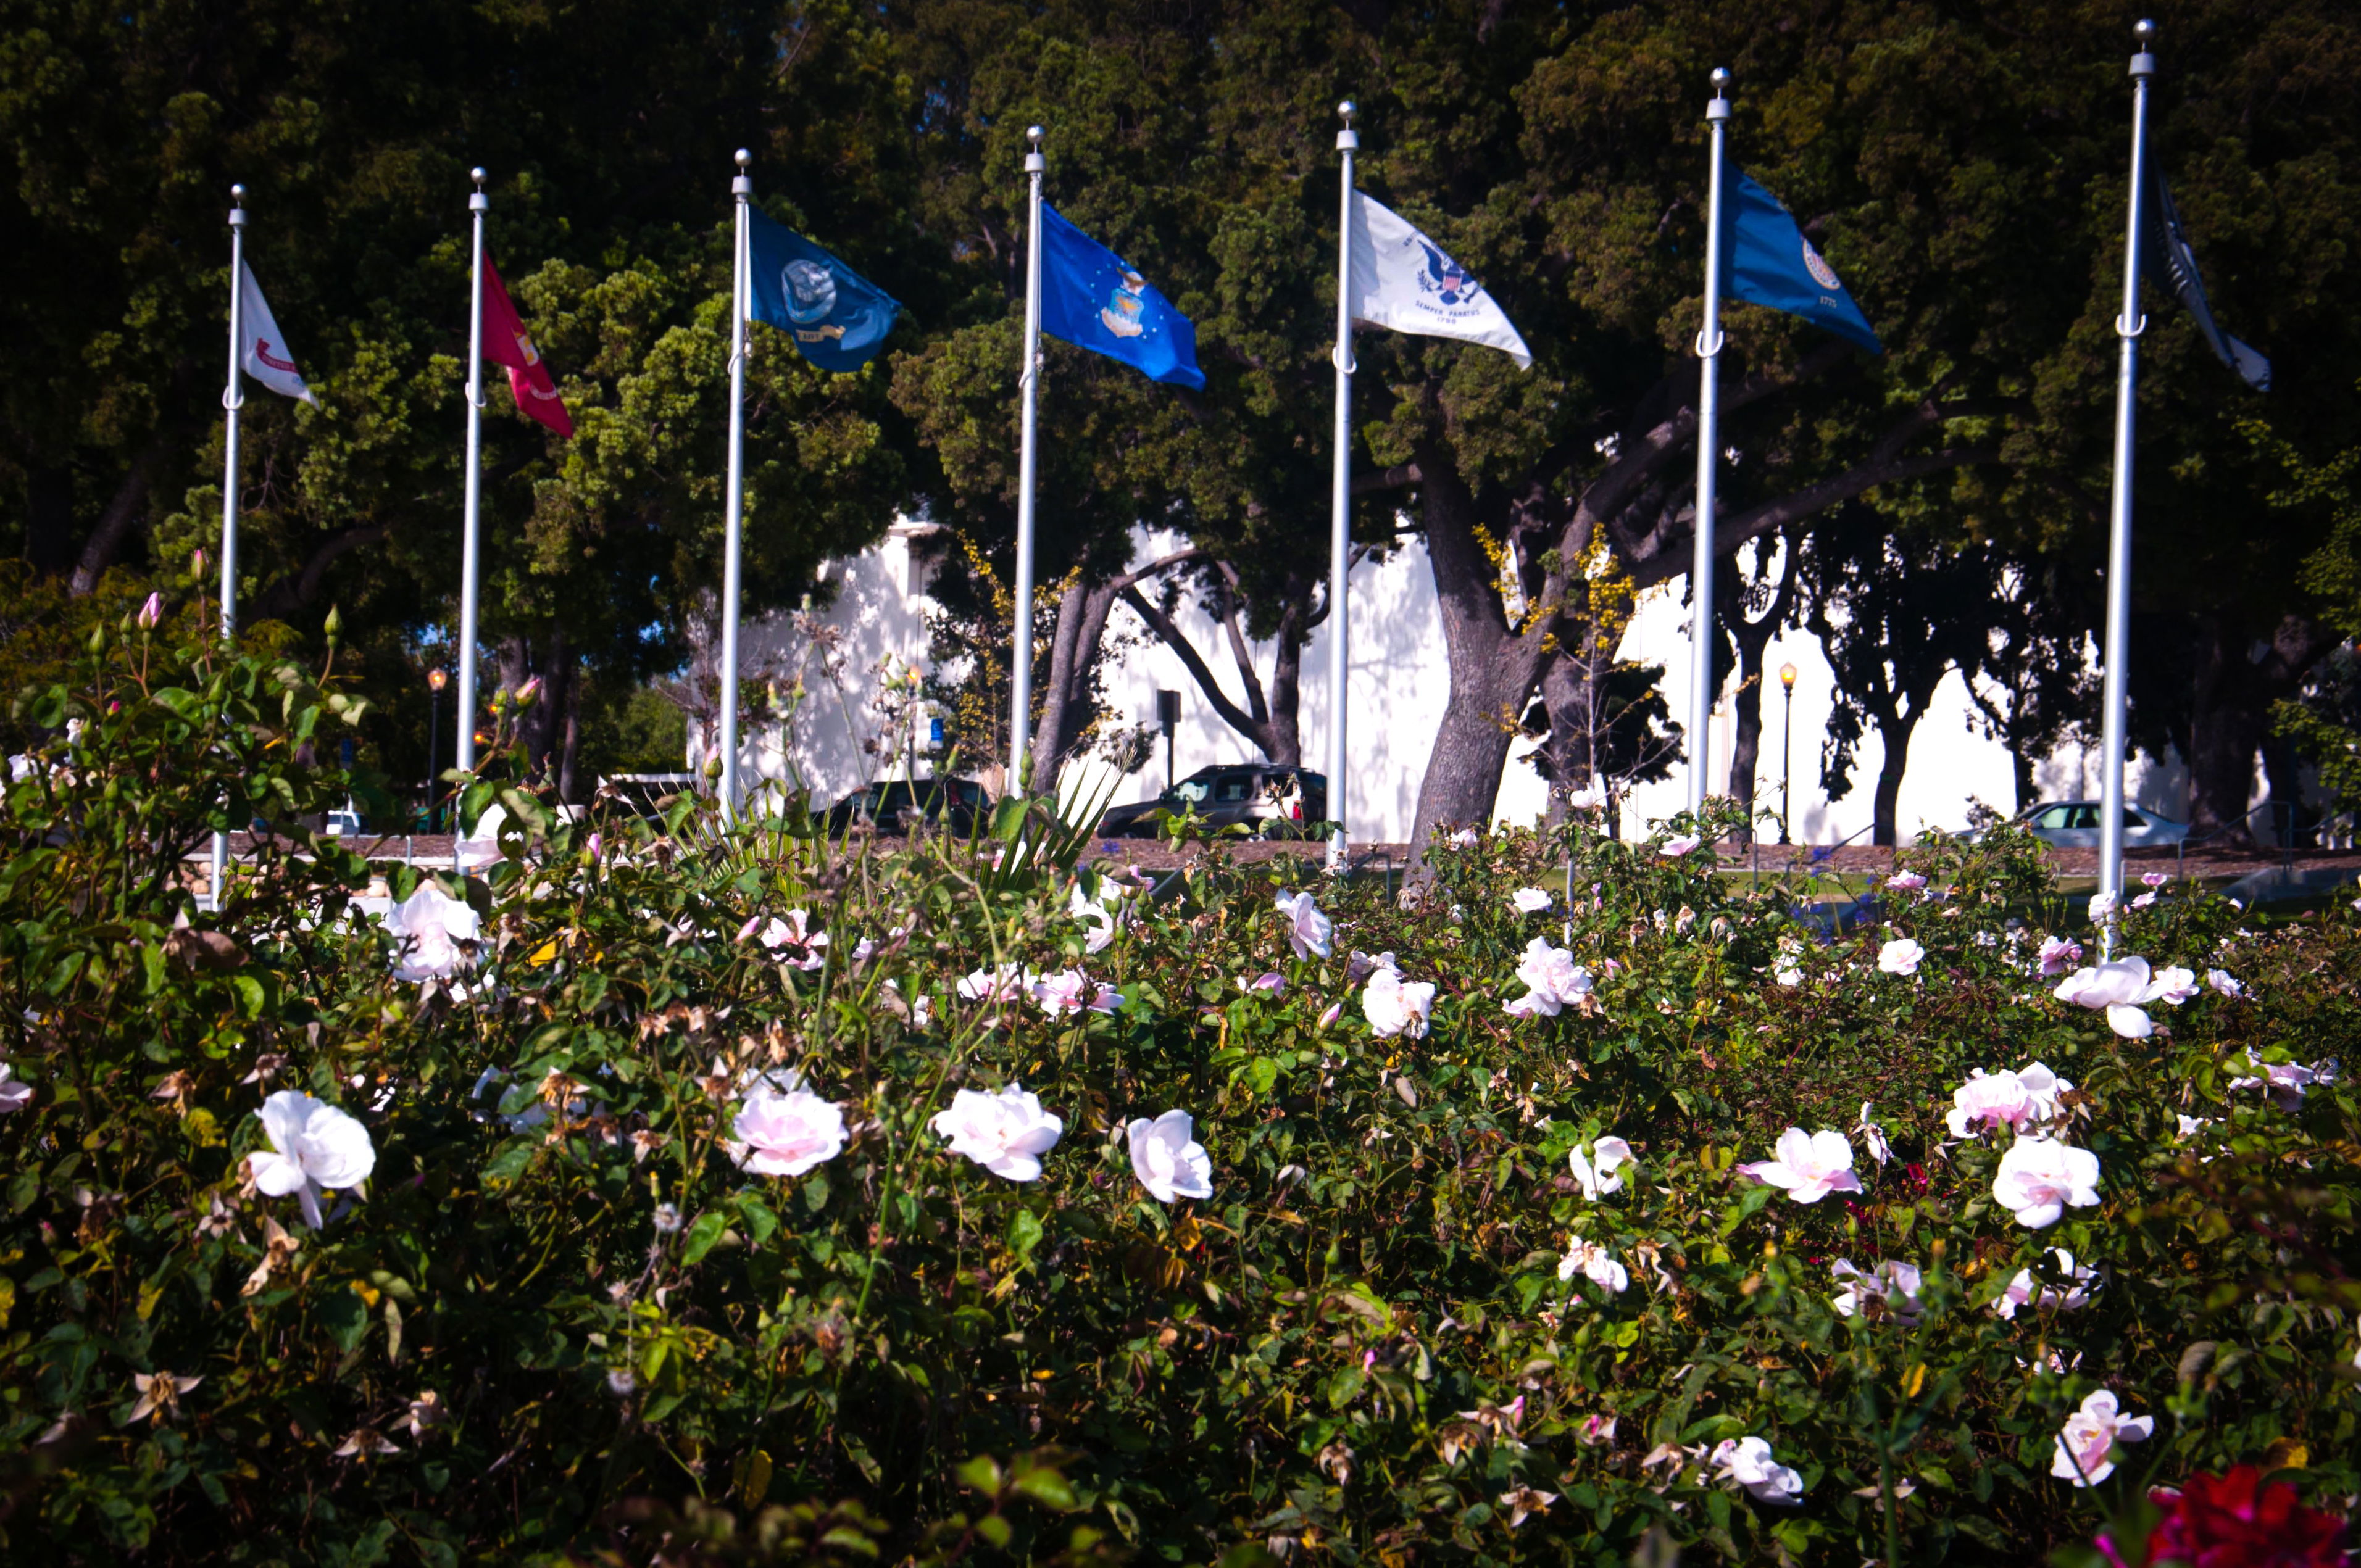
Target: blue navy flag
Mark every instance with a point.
(1767, 261)
(1092, 299)
(837, 317)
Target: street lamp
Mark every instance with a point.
(1788, 674)
(435, 681)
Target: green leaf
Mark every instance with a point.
(762, 1224)
(703, 1232)
(1024, 1234)
(345, 1317)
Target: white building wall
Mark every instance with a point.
(1400, 688)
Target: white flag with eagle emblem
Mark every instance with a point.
(1402, 280)
(264, 354)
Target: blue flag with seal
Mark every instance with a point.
(1093, 299)
(837, 317)
(1767, 262)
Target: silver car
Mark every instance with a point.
(2074, 825)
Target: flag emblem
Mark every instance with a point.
(810, 289)
(262, 352)
(1444, 277)
(1822, 273)
(1123, 307)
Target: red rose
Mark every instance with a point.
(2235, 1521)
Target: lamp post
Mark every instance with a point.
(435, 678)
(1787, 750)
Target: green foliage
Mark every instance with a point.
(562, 1320)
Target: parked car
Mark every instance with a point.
(2074, 825)
(1273, 801)
(959, 805)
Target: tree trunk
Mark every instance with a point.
(1884, 804)
(1570, 694)
(1066, 699)
(1493, 669)
(1275, 727)
(2226, 729)
(48, 520)
(572, 747)
(114, 524)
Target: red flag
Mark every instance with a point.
(507, 343)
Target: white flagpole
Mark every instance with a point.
(1709, 437)
(1340, 503)
(478, 204)
(2129, 325)
(233, 398)
(733, 507)
(1029, 380)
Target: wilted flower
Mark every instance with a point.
(2026, 1291)
(1308, 930)
(160, 1395)
(1336, 1460)
(620, 1382)
(1359, 965)
(1270, 983)
(1894, 1283)
(314, 1148)
(1596, 1263)
(1675, 847)
(1522, 1500)
(15, 1092)
(278, 1248)
(1597, 1172)
(1808, 1167)
(2039, 1177)
(2058, 953)
(2089, 1434)
(1006, 1133)
(1873, 1136)
(785, 1135)
(1397, 1006)
(426, 1412)
(667, 1219)
(1167, 1159)
(2222, 985)
(366, 1443)
(1553, 981)
(1594, 1430)
(1530, 900)
(433, 933)
(1900, 956)
(1747, 1462)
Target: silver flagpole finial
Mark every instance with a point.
(1345, 110)
(1033, 135)
(743, 157)
(238, 195)
(478, 176)
(2144, 30)
(1721, 79)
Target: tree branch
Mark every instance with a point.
(1162, 625)
(1757, 520)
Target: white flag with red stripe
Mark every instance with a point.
(264, 353)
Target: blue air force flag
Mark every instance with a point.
(1766, 260)
(837, 317)
(1401, 280)
(1092, 299)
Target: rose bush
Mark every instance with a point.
(882, 1239)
